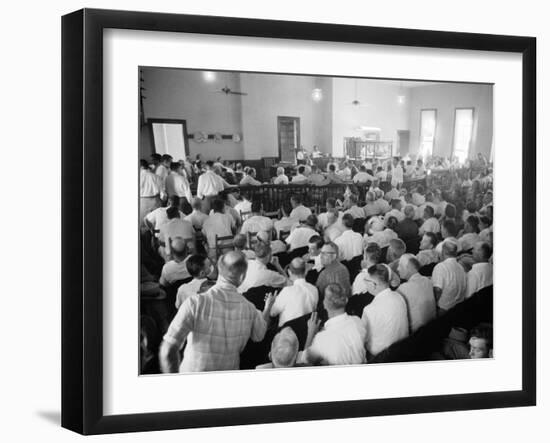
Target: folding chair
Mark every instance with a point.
(223, 243)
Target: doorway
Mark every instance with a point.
(403, 142)
(169, 136)
(288, 130)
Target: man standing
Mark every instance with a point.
(418, 292)
(209, 186)
(149, 192)
(176, 183)
(217, 324)
(163, 170)
(396, 173)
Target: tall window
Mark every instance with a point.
(428, 118)
(464, 124)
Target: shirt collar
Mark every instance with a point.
(332, 322)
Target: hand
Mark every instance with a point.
(269, 299)
(275, 261)
(313, 324)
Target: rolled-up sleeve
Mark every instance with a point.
(183, 323)
(259, 327)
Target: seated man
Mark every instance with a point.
(285, 223)
(361, 296)
(378, 233)
(431, 224)
(174, 227)
(350, 243)
(197, 217)
(352, 208)
(299, 211)
(481, 274)
(334, 227)
(407, 229)
(258, 274)
(418, 292)
(449, 279)
(300, 176)
(299, 237)
(481, 341)
(323, 216)
(281, 178)
(362, 176)
(371, 208)
(250, 178)
(395, 211)
(257, 223)
(385, 317)
(470, 234)
(342, 339)
(297, 300)
(217, 324)
(217, 224)
(156, 218)
(427, 254)
(284, 350)
(316, 178)
(199, 267)
(448, 232)
(176, 268)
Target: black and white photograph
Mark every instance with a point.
(301, 220)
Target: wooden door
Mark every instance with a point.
(288, 130)
(403, 142)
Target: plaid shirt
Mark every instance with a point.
(218, 324)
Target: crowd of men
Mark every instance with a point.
(298, 289)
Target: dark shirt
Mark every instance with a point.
(407, 229)
(357, 303)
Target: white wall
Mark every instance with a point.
(446, 98)
(184, 94)
(382, 110)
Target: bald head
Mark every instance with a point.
(284, 348)
(449, 249)
(297, 268)
(232, 267)
(178, 246)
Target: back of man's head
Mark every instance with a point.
(301, 169)
(396, 203)
(166, 158)
(172, 212)
(174, 166)
(197, 204)
(262, 250)
(429, 211)
(209, 164)
(218, 205)
(449, 227)
(347, 221)
(482, 251)
(331, 203)
(297, 267)
(409, 211)
(335, 297)
(256, 206)
(174, 201)
(373, 253)
(397, 248)
(195, 265)
(178, 247)
(232, 267)
(239, 241)
(311, 221)
(284, 348)
(449, 249)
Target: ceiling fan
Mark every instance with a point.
(226, 90)
(355, 102)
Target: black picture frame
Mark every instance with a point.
(82, 187)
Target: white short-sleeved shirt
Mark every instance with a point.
(281, 180)
(397, 175)
(257, 274)
(350, 245)
(340, 342)
(479, 277)
(386, 320)
(299, 178)
(467, 241)
(427, 256)
(149, 184)
(285, 224)
(300, 213)
(430, 225)
(356, 212)
(197, 218)
(394, 213)
(243, 206)
(381, 238)
(295, 301)
(419, 294)
(177, 184)
(158, 217)
(362, 177)
(188, 289)
(383, 205)
(450, 277)
(257, 223)
(219, 224)
(176, 227)
(173, 271)
(300, 236)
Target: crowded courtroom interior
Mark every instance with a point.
(296, 220)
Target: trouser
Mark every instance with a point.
(146, 205)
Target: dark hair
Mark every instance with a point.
(331, 201)
(374, 252)
(195, 264)
(172, 212)
(392, 223)
(311, 221)
(429, 210)
(485, 332)
(297, 198)
(395, 202)
(301, 169)
(166, 158)
(347, 220)
(473, 221)
(174, 201)
(420, 189)
(332, 168)
(144, 164)
(286, 208)
(317, 240)
(450, 210)
(485, 220)
(486, 250)
(156, 157)
(450, 227)
(218, 205)
(256, 206)
(471, 206)
(432, 237)
(174, 166)
(380, 271)
(209, 163)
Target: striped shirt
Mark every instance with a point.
(217, 325)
